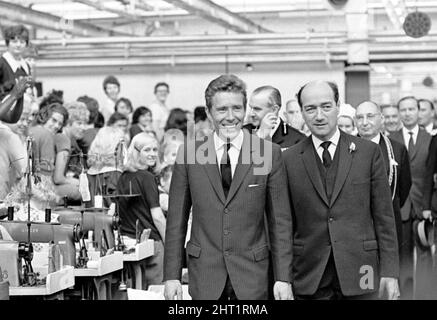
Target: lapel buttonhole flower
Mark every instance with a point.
(352, 147)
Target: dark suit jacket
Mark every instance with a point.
(431, 169)
(403, 179)
(228, 236)
(413, 207)
(286, 136)
(357, 225)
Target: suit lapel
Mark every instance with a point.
(278, 136)
(383, 147)
(344, 165)
(309, 161)
(241, 169)
(212, 170)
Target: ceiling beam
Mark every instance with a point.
(48, 21)
(219, 15)
(99, 5)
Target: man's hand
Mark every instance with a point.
(391, 286)
(427, 214)
(267, 124)
(282, 291)
(173, 288)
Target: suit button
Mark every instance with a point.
(226, 210)
(331, 219)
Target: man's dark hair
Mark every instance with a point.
(225, 83)
(93, 107)
(331, 84)
(140, 111)
(13, 32)
(200, 114)
(116, 116)
(408, 98)
(161, 84)
(427, 101)
(126, 102)
(274, 95)
(112, 80)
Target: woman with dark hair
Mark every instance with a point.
(141, 122)
(118, 120)
(124, 106)
(12, 64)
(177, 120)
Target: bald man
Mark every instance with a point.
(344, 235)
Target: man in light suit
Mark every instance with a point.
(344, 237)
(417, 142)
(264, 106)
(231, 179)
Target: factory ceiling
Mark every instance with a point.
(131, 32)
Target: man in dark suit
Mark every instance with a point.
(344, 237)
(417, 141)
(369, 121)
(231, 180)
(264, 106)
(427, 116)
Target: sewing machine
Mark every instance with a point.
(10, 263)
(64, 235)
(97, 221)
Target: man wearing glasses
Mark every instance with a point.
(369, 121)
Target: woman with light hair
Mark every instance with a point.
(105, 162)
(78, 116)
(139, 178)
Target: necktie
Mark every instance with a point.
(225, 169)
(326, 156)
(410, 143)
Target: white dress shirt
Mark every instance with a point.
(234, 150)
(332, 147)
(376, 139)
(405, 133)
(429, 127)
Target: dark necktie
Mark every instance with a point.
(225, 169)
(410, 143)
(326, 156)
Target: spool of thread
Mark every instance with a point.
(10, 213)
(48, 216)
(98, 201)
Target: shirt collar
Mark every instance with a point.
(14, 64)
(275, 127)
(236, 143)
(376, 139)
(334, 139)
(415, 130)
(429, 127)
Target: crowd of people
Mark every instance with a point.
(346, 186)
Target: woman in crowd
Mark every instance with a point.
(78, 116)
(12, 64)
(346, 123)
(177, 120)
(105, 159)
(138, 178)
(142, 121)
(124, 106)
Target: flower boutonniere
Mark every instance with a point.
(352, 147)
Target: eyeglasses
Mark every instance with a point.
(369, 116)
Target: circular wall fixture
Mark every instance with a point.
(417, 24)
